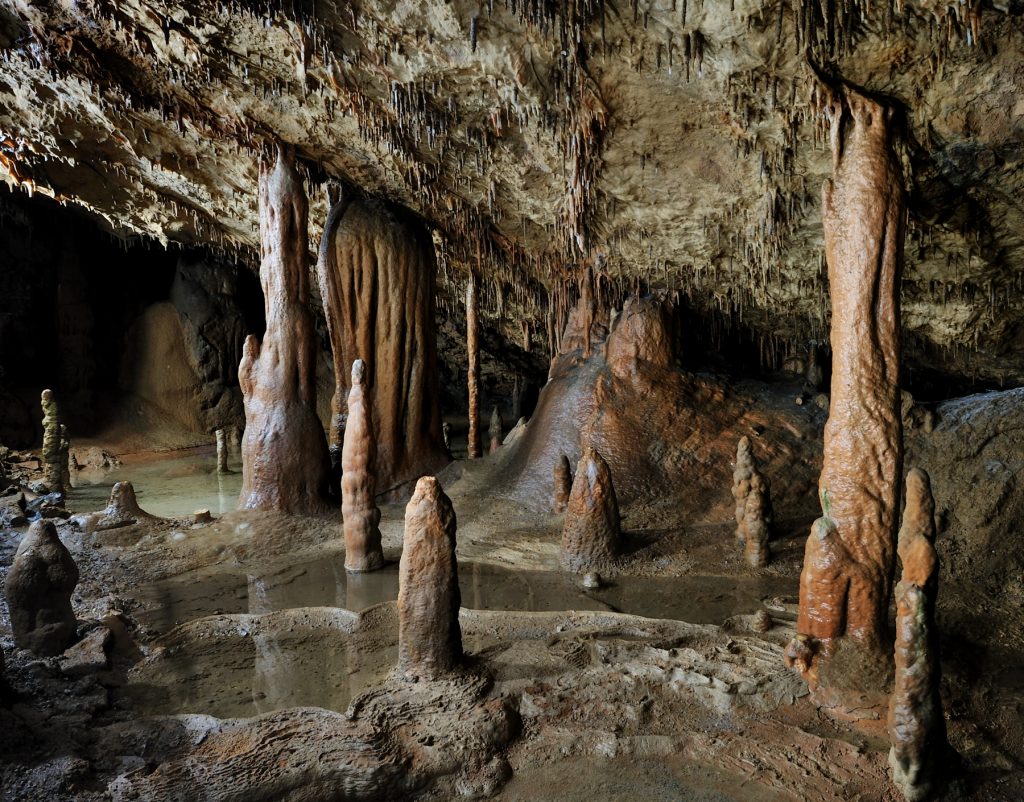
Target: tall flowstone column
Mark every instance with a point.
(285, 464)
(846, 582)
(473, 371)
(377, 275)
(429, 636)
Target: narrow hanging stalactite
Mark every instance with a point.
(846, 583)
(473, 365)
(377, 273)
(285, 463)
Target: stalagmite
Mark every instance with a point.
(742, 479)
(563, 484)
(429, 636)
(495, 429)
(847, 574)
(917, 729)
(591, 533)
(222, 451)
(473, 362)
(38, 590)
(285, 463)
(814, 376)
(358, 484)
(756, 516)
(55, 445)
(377, 273)
(446, 433)
(122, 510)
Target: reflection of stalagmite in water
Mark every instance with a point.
(429, 636)
(259, 599)
(917, 729)
(591, 534)
(285, 464)
(358, 483)
(863, 216)
(222, 452)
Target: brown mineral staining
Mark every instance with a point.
(495, 429)
(377, 274)
(917, 729)
(285, 463)
(848, 567)
(641, 338)
(562, 483)
(38, 591)
(473, 366)
(359, 510)
(55, 445)
(753, 505)
(429, 636)
(591, 534)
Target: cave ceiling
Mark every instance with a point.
(675, 144)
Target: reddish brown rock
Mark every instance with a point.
(377, 273)
(563, 484)
(429, 636)
(591, 534)
(641, 337)
(917, 729)
(473, 366)
(38, 589)
(285, 464)
(495, 429)
(359, 510)
(863, 215)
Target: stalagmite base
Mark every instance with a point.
(591, 534)
(358, 482)
(429, 636)
(847, 574)
(285, 464)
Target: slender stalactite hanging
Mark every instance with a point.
(846, 582)
(473, 363)
(284, 453)
(377, 276)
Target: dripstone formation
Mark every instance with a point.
(753, 505)
(494, 430)
(285, 463)
(359, 510)
(846, 580)
(376, 271)
(917, 729)
(562, 484)
(55, 445)
(429, 636)
(591, 534)
(473, 365)
(38, 591)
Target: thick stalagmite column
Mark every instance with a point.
(917, 729)
(473, 363)
(377, 275)
(285, 465)
(358, 484)
(591, 534)
(429, 636)
(849, 558)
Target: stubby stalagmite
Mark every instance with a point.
(429, 636)
(847, 575)
(591, 535)
(377, 272)
(285, 464)
(917, 729)
(495, 429)
(359, 510)
(38, 590)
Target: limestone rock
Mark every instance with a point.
(89, 655)
(429, 636)
(38, 591)
(359, 511)
(591, 534)
(562, 484)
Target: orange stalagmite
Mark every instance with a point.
(848, 565)
(285, 463)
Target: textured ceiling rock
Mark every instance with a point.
(670, 143)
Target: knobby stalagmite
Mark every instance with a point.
(917, 729)
(55, 445)
(222, 451)
(756, 518)
(377, 273)
(358, 484)
(495, 429)
(745, 476)
(848, 565)
(562, 483)
(429, 636)
(38, 590)
(473, 363)
(285, 464)
(591, 534)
